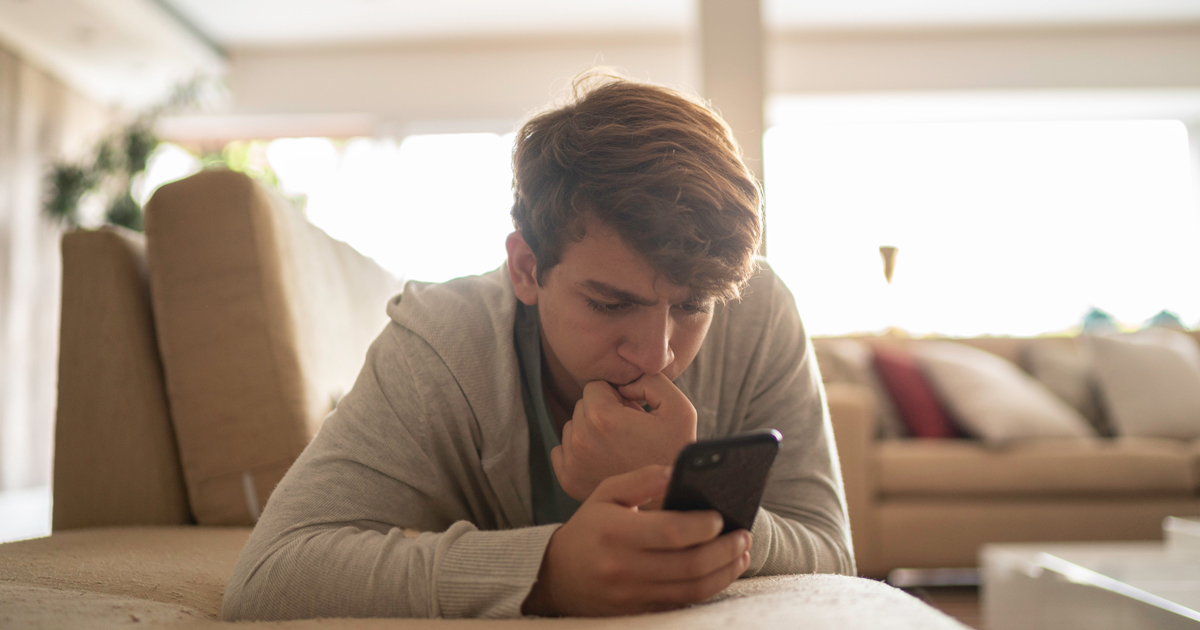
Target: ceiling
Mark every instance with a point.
(132, 52)
(265, 23)
(129, 52)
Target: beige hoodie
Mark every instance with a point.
(433, 438)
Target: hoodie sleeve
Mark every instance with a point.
(395, 455)
(802, 525)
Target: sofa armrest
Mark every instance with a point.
(852, 412)
(115, 457)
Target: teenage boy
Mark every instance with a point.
(510, 435)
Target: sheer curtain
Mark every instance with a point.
(40, 121)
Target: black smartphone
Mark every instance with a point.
(726, 474)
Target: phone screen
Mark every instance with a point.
(726, 474)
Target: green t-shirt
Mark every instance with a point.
(550, 503)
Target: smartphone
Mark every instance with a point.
(726, 474)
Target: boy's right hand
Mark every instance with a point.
(612, 559)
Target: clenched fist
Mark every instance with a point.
(610, 433)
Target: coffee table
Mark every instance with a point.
(1063, 586)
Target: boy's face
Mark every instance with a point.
(607, 315)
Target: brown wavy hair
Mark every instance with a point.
(653, 163)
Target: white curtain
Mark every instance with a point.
(40, 121)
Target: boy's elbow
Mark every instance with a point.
(234, 605)
(245, 599)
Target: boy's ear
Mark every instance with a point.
(522, 268)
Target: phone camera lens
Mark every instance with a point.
(699, 462)
(714, 458)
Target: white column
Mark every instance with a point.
(731, 69)
(1193, 132)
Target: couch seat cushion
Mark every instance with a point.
(1042, 466)
(156, 573)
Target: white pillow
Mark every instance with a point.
(993, 399)
(1150, 381)
(1069, 374)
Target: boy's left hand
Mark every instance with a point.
(610, 434)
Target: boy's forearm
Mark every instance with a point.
(786, 546)
(341, 571)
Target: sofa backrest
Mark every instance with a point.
(263, 321)
(115, 459)
(1011, 348)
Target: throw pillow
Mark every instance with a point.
(1068, 373)
(1151, 382)
(993, 399)
(919, 407)
(849, 361)
(836, 359)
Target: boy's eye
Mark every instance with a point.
(607, 307)
(692, 308)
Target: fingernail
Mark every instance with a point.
(667, 471)
(746, 542)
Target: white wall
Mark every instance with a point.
(487, 84)
(501, 80)
(40, 121)
(980, 59)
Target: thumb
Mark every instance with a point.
(634, 488)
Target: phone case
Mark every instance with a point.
(727, 475)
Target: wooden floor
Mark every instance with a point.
(960, 602)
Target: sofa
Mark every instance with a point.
(932, 503)
(196, 362)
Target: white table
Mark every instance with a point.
(1064, 586)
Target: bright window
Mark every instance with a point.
(1002, 228)
(433, 207)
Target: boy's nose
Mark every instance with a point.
(650, 347)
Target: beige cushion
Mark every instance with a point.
(993, 399)
(115, 461)
(1046, 467)
(175, 577)
(1151, 382)
(263, 322)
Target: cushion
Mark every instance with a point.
(1069, 374)
(919, 407)
(263, 322)
(849, 361)
(993, 399)
(1150, 381)
(115, 462)
(1052, 466)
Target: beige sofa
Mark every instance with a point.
(196, 363)
(933, 503)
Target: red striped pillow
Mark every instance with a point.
(915, 399)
